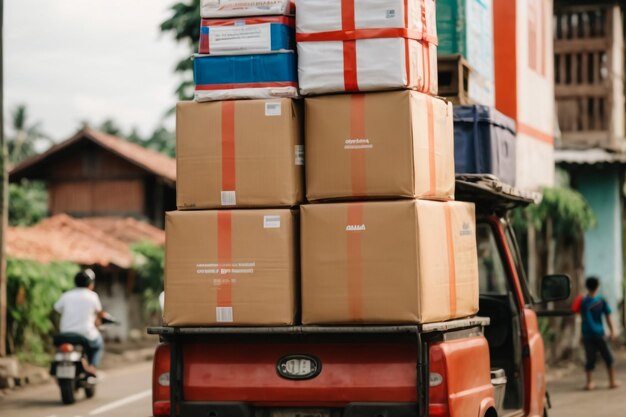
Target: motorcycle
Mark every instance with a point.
(71, 365)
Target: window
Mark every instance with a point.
(492, 275)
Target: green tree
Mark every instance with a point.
(28, 203)
(110, 127)
(25, 136)
(184, 23)
(149, 264)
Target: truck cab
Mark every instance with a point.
(491, 365)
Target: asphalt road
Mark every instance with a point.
(123, 392)
(570, 400)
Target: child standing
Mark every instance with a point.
(592, 307)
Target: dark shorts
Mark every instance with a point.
(593, 346)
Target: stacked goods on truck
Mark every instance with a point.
(232, 250)
(465, 27)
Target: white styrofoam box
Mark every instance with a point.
(381, 65)
(385, 34)
(314, 16)
(236, 8)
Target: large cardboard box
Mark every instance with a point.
(239, 154)
(392, 144)
(405, 261)
(230, 267)
(342, 45)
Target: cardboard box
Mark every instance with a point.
(235, 8)
(254, 35)
(405, 261)
(393, 144)
(341, 45)
(230, 268)
(235, 77)
(245, 153)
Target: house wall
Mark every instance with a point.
(602, 187)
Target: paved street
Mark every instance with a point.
(123, 392)
(570, 400)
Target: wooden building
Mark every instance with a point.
(96, 174)
(589, 74)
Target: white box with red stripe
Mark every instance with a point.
(366, 46)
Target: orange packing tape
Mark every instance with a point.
(224, 258)
(350, 79)
(431, 147)
(228, 146)
(355, 262)
(368, 33)
(451, 259)
(357, 156)
(425, 51)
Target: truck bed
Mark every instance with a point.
(233, 370)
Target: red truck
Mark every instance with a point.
(491, 365)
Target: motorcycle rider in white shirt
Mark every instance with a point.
(81, 312)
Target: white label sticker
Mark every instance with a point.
(299, 155)
(273, 108)
(271, 222)
(224, 314)
(390, 14)
(240, 37)
(229, 198)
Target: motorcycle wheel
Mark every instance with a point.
(67, 387)
(90, 391)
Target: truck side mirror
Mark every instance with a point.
(555, 288)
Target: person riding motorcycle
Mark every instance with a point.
(81, 311)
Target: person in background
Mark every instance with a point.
(592, 308)
(81, 312)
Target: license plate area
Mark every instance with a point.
(66, 371)
(300, 412)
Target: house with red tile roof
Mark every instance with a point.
(105, 194)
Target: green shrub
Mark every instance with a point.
(32, 290)
(149, 265)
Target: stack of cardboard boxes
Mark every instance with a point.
(231, 251)
(382, 241)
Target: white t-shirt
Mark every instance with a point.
(79, 308)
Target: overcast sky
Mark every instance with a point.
(76, 60)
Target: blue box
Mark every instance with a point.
(484, 142)
(245, 76)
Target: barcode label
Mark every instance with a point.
(224, 314)
(299, 160)
(271, 222)
(391, 13)
(229, 198)
(273, 108)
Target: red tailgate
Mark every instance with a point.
(351, 372)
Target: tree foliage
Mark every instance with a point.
(149, 265)
(184, 24)
(28, 203)
(566, 208)
(161, 140)
(24, 137)
(32, 290)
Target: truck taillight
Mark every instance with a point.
(160, 381)
(438, 393)
(161, 409)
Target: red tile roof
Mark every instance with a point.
(154, 162)
(95, 241)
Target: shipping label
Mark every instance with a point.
(240, 38)
(229, 198)
(224, 314)
(299, 151)
(273, 108)
(271, 222)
